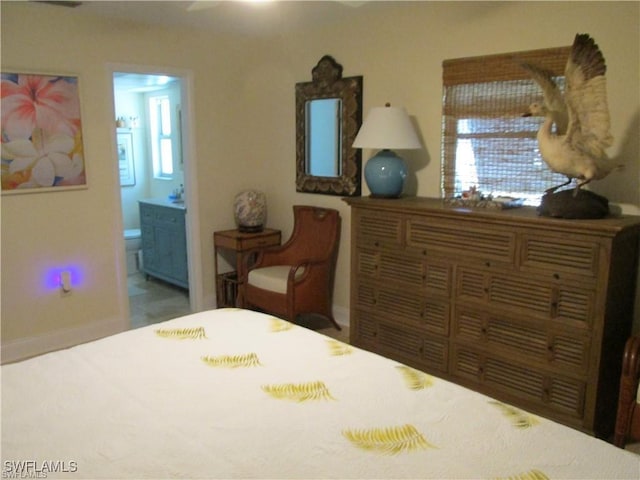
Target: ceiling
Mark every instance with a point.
(140, 82)
(226, 16)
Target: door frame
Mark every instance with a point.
(194, 250)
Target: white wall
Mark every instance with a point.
(83, 229)
(244, 125)
(130, 104)
(400, 54)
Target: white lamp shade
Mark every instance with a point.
(387, 128)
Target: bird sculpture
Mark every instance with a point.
(576, 147)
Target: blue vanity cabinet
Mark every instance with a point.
(164, 241)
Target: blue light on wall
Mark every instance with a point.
(52, 277)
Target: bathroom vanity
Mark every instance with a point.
(164, 241)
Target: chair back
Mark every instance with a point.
(316, 233)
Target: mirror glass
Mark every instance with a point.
(323, 137)
(328, 117)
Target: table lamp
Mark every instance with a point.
(386, 128)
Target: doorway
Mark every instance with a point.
(149, 112)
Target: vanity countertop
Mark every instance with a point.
(164, 202)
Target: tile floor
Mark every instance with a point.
(153, 301)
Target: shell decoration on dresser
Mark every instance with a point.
(250, 211)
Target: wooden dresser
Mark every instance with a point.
(533, 311)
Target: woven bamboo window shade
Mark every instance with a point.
(487, 143)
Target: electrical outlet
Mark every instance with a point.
(65, 283)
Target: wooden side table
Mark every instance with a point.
(243, 244)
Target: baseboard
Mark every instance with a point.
(341, 314)
(15, 350)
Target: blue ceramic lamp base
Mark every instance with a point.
(385, 174)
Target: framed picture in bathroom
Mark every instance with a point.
(42, 140)
(126, 166)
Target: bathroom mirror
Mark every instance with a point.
(328, 117)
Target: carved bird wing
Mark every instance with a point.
(553, 98)
(586, 99)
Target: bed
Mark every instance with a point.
(231, 393)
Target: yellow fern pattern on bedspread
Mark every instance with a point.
(337, 348)
(415, 379)
(519, 418)
(279, 325)
(194, 333)
(300, 392)
(232, 361)
(388, 440)
(530, 475)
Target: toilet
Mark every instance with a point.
(132, 245)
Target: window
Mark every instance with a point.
(161, 136)
(487, 143)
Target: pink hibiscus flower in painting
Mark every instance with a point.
(46, 102)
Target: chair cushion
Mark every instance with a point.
(272, 278)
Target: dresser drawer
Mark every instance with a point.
(424, 312)
(462, 238)
(266, 241)
(412, 271)
(526, 295)
(400, 342)
(378, 229)
(555, 393)
(530, 341)
(559, 255)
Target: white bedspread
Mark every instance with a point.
(257, 397)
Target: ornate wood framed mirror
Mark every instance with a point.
(328, 117)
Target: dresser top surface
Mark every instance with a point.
(524, 215)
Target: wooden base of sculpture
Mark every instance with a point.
(570, 204)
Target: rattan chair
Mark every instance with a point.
(628, 415)
(297, 277)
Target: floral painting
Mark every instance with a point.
(41, 133)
